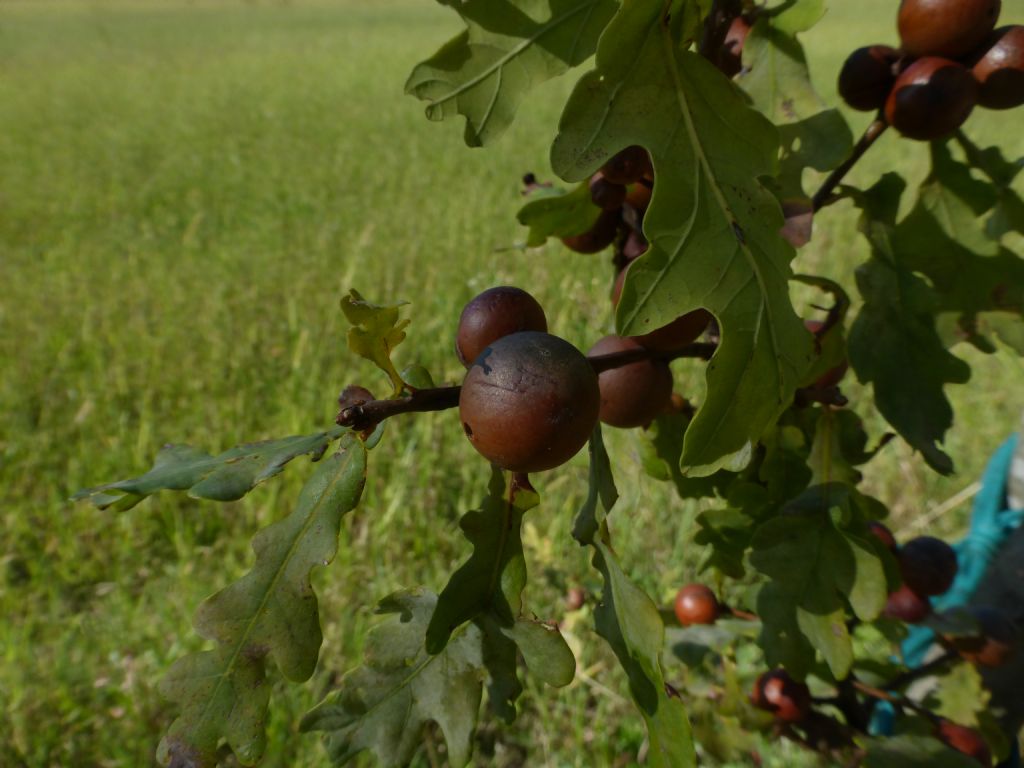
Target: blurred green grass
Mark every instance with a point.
(186, 191)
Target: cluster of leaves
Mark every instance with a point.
(728, 209)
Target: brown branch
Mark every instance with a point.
(737, 613)
(871, 134)
(364, 416)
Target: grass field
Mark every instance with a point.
(186, 190)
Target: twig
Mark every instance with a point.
(367, 415)
(740, 614)
(871, 134)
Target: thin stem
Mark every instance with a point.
(520, 482)
(744, 614)
(871, 134)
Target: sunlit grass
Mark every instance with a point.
(186, 191)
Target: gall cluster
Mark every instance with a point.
(951, 59)
(530, 400)
(928, 567)
(622, 190)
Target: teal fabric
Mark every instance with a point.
(991, 524)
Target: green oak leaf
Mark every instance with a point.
(660, 449)
(383, 706)
(952, 202)
(942, 239)
(500, 661)
(228, 476)
(601, 494)
(558, 213)
(269, 615)
(630, 623)
(376, 331)
(487, 589)
(960, 695)
(821, 141)
(544, 650)
(417, 377)
(692, 644)
(783, 469)
(726, 533)
(893, 343)
(1008, 328)
(783, 642)
(831, 352)
(507, 48)
(708, 148)
(1007, 214)
(913, 752)
(817, 562)
(998, 740)
(827, 632)
(839, 446)
(776, 77)
(493, 578)
(894, 346)
(792, 16)
(830, 347)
